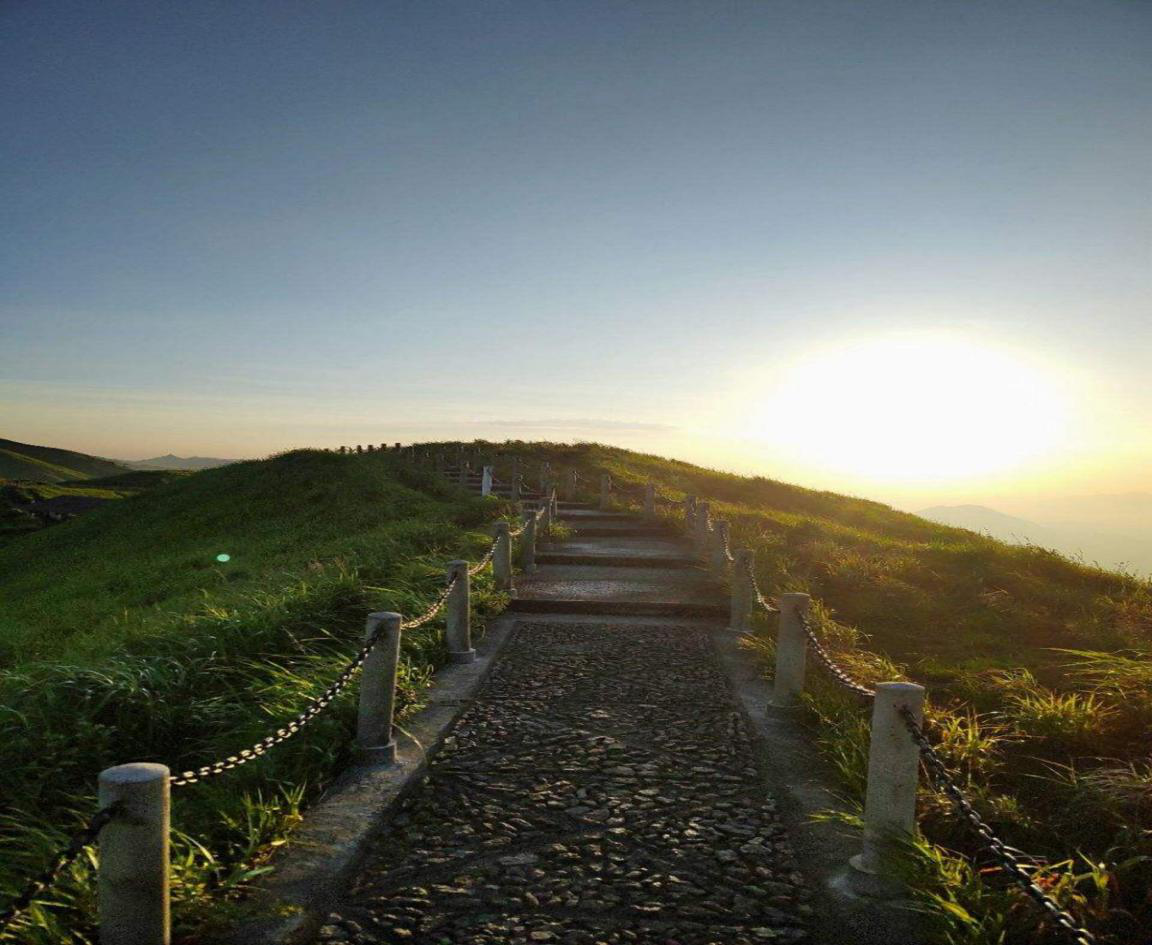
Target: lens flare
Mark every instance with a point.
(223, 557)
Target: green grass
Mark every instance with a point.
(47, 464)
(123, 638)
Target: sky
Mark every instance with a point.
(898, 249)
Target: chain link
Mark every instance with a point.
(318, 705)
(1007, 860)
(60, 862)
(483, 562)
(838, 673)
(756, 592)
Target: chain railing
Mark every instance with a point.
(61, 861)
(1001, 852)
(139, 782)
(895, 706)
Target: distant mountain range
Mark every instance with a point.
(177, 462)
(48, 464)
(1114, 531)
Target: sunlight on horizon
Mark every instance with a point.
(918, 409)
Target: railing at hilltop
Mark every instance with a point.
(132, 823)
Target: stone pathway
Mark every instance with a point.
(601, 788)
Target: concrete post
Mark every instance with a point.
(374, 742)
(133, 881)
(528, 544)
(553, 504)
(486, 481)
(570, 486)
(502, 559)
(703, 525)
(740, 608)
(719, 548)
(515, 478)
(893, 770)
(545, 476)
(605, 492)
(791, 650)
(690, 514)
(545, 515)
(458, 609)
(650, 500)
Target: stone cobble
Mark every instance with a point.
(601, 789)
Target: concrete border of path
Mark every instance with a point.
(314, 868)
(801, 785)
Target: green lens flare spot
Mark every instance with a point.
(223, 558)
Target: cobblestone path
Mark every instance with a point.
(601, 789)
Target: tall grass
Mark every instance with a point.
(213, 664)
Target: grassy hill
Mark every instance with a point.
(46, 464)
(122, 636)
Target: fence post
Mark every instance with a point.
(528, 544)
(374, 742)
(502, 559)
(720, 548)
(486, 481)
(570, 486)
(605, 492)
(690, 514)
(650, 500)
(133, 881)
(553, 504)
(545, 509)
(458, 607)
(515, 478)
(893, 770)
(791, 650)
(703, 525)
(740, 608)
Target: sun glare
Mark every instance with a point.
(917, 409)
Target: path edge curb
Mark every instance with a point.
(323, 853)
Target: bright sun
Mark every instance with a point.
(917, 409)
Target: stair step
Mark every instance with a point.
(616, 561)
(616, 607)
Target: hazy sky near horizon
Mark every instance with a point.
(895, 248)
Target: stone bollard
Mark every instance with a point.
(554, 505)
(528, 544)
(650, 500)
(458, 611)
(791, 650)
(605, 492)
(720, 548)
(545, 515)
(893, 770)
(703, 526)
(502, 559)
(740, 608)
(374, 742)
(486, 481)
(133, 881)
(515, 479)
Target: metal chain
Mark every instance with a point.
(318, 705)
(1008, 861)
(756, 592)
(840, 675)
(483, 562)
(60, 862)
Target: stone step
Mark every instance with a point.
(646, 608)
(624, 529)
(616, 561)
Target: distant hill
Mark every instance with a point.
(47, 464)
(980, 518)
(178, 462)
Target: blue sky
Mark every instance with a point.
(231, 228)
